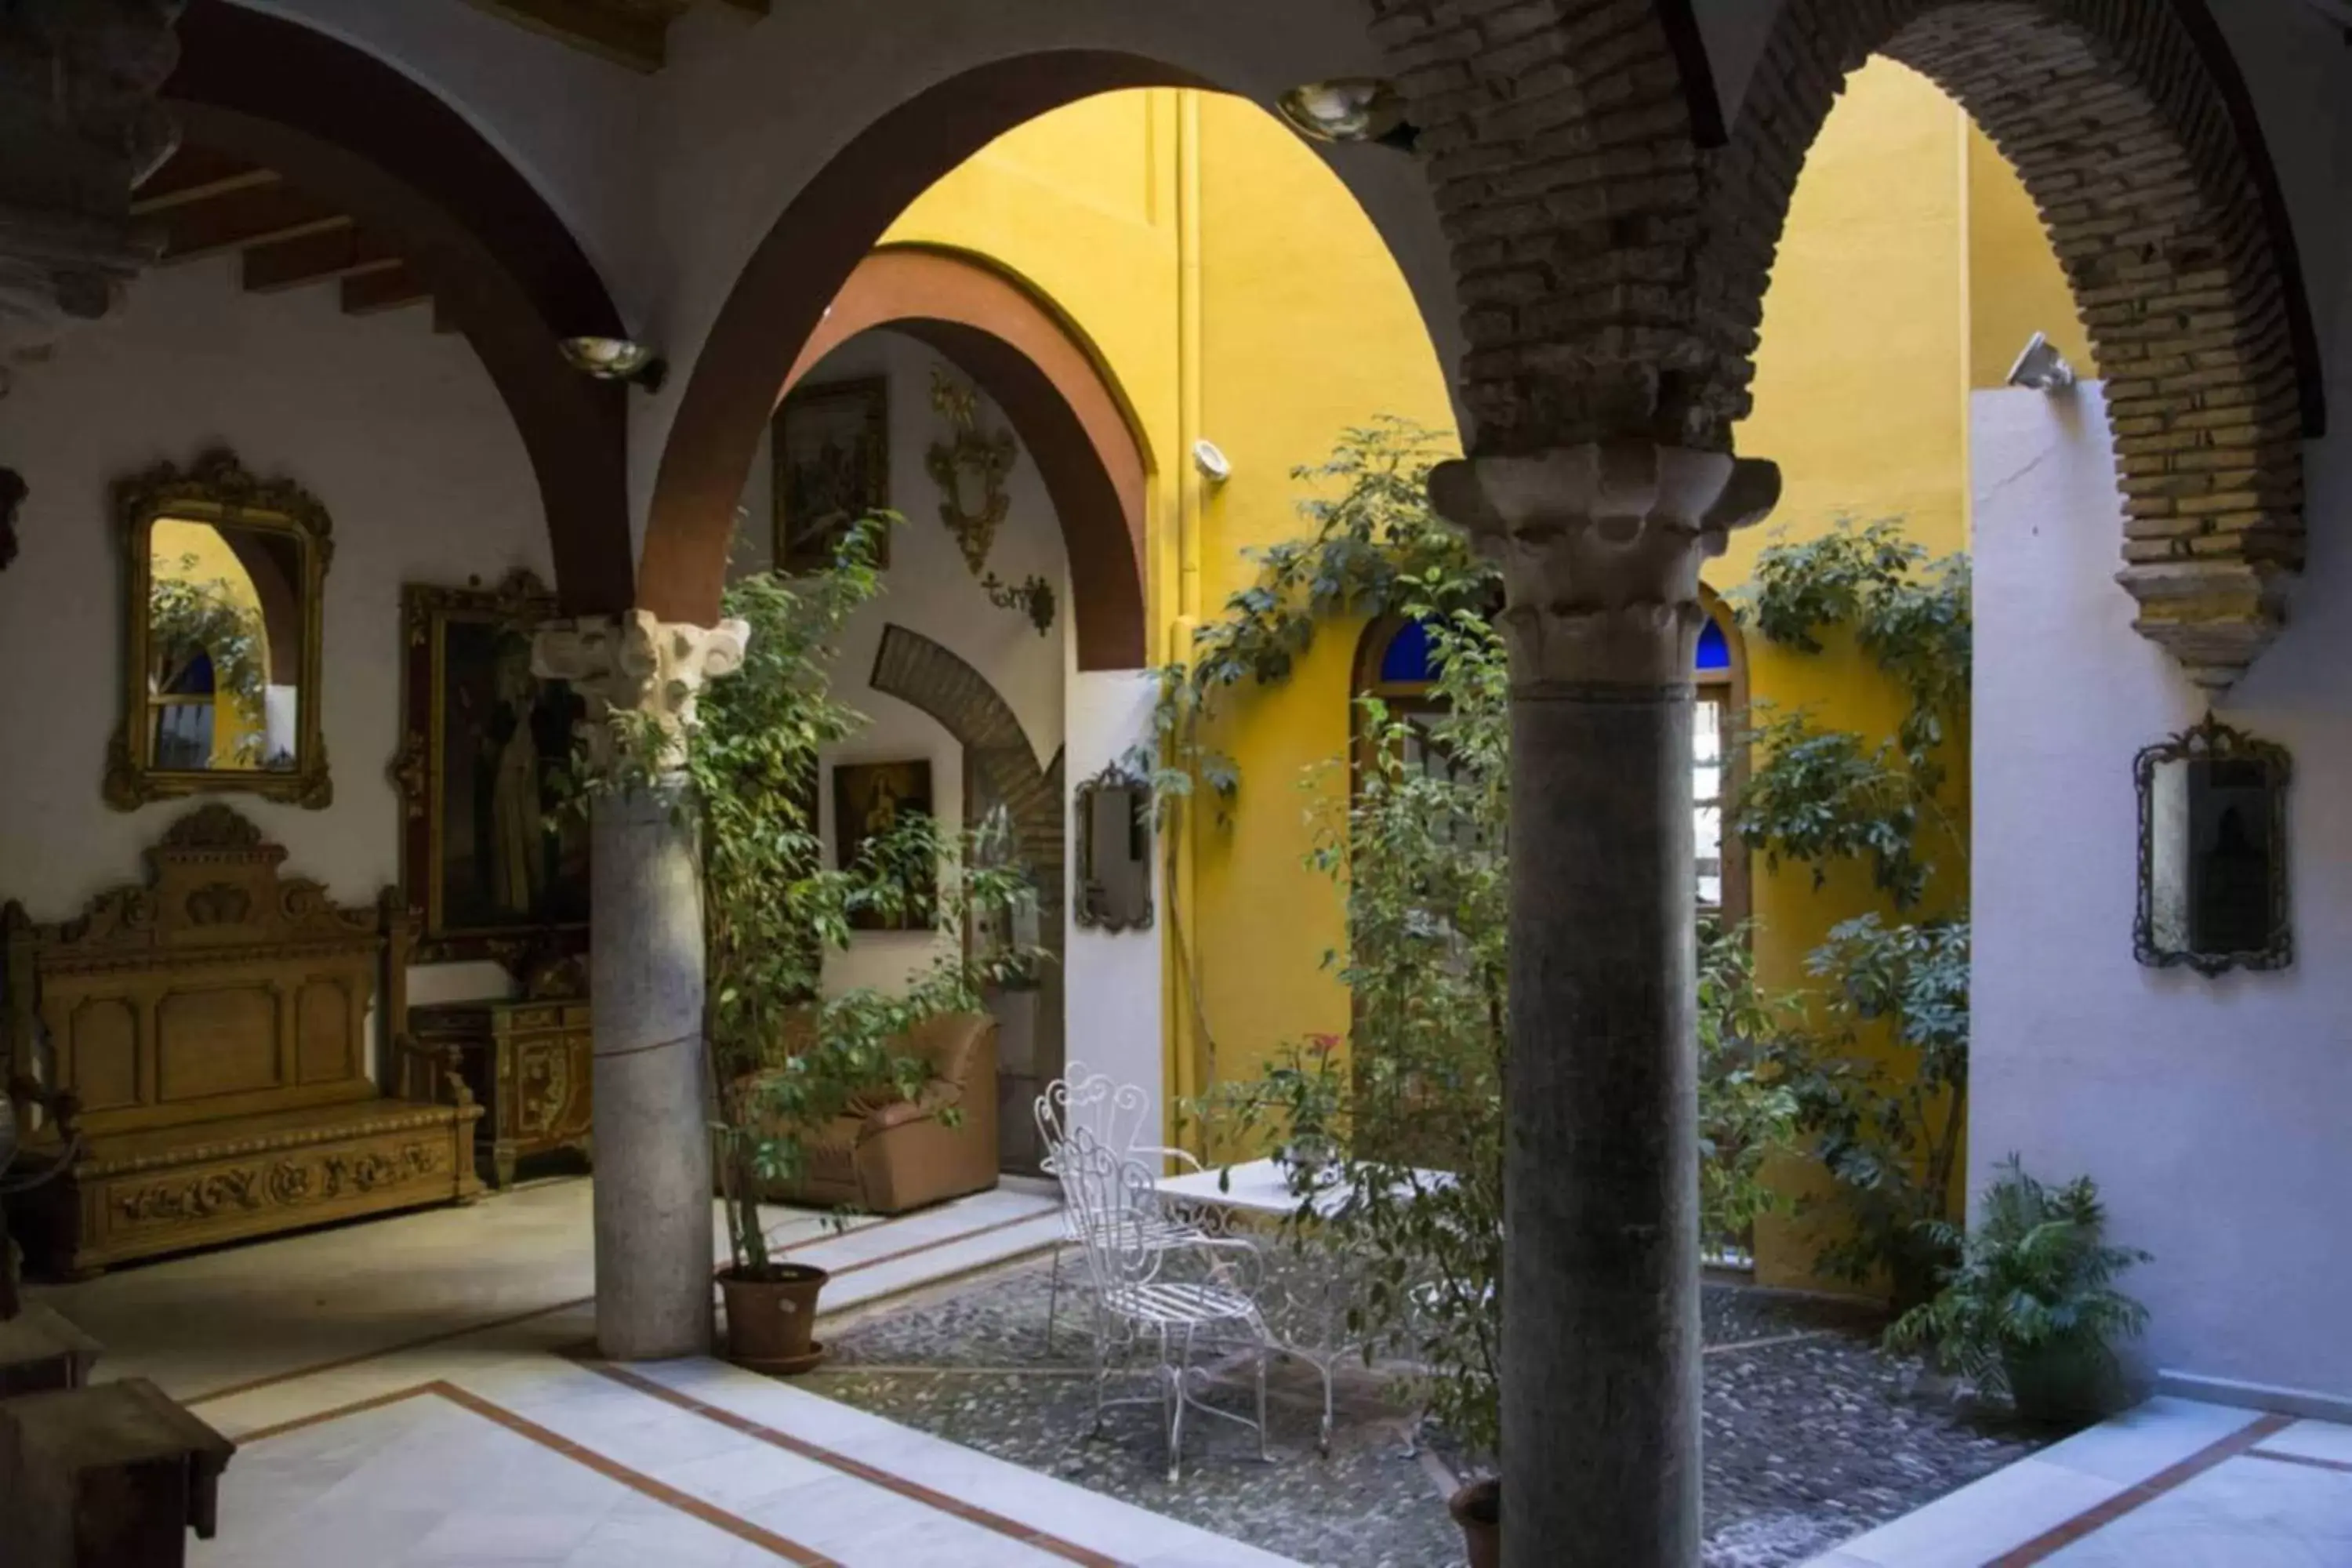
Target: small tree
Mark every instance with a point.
(1889, 1133)
(787, 1057)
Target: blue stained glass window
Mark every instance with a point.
(1405, 661)
(1714, 647)
(195, 677)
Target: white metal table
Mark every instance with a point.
(1310, 1323)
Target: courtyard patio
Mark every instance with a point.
(422, 1390)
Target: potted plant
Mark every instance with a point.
(786, 1059)
(2030, 1308)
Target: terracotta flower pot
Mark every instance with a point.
(772, 1317)
(1478, 1510)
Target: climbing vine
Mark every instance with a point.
(1886, 1124)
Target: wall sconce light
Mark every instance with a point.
(616, 359)
(1349, 108)
(1210, 460)
(2041, 368)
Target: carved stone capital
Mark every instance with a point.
(79, 128)
(2214, 616)
(632, 664)
(1599, 547)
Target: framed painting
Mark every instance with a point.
(492, 865)
(869, 799)
(832, 456)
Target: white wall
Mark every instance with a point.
(2212, 1112)
(1114, 999)
(395, 430)
(931, 590)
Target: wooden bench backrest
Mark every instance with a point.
(220, 990)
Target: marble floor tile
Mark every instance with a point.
(2313, 1440)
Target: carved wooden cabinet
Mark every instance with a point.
(529, 1064)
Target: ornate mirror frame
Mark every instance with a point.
(219, 489)
(1090, 907)
(2212, 741)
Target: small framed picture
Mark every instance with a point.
(832, 445)
(870, 800)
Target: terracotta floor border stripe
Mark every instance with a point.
(2314, 1461)
(2171, 1479)
(914, 1492)
(555, 1443)
(426, 1342)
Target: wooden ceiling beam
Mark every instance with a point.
(243, 218)
(316, 258)
(196, 174)
(632, 33)
(393, 289)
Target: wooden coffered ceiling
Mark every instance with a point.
(635, 33)
(205, 204)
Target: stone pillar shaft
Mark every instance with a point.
(1601, 549)
(653, 1195)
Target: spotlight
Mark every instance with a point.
(1214, 466)
(1348, 108)
(2041, 368)
(616, 359)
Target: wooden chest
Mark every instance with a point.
(529, 1065)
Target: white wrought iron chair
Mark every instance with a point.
(1153, 1290)
(1116, 1114)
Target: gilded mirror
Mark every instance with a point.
(2213, 852)
(1114, 875)
(225, 575)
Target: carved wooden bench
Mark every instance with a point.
(214, 1027)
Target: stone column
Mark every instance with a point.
(1600, 548)
(653, 1181)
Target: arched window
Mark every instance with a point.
(1720, 698)
(1394, 664)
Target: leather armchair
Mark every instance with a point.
(889, 1154)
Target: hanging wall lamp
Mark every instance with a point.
(616, 359)
(1349, 108)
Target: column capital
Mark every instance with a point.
(633, 663)
(79, 127)
(1599, 547)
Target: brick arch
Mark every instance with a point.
(917, 670)
(1072, 420)
(2131, 130)
(1564, 141)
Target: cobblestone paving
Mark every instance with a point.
(1812, 1434)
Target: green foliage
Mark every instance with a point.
(1376, 546)
(1889, 1134)
(188, 618)
(788, 1059)
(2036, 1275)
(1817, 796)
(1747, 1111)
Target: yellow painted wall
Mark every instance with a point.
(1234, 290)
(196, 552)
(2016, 286)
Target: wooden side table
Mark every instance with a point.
(530, 1064)
(113, 1475)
